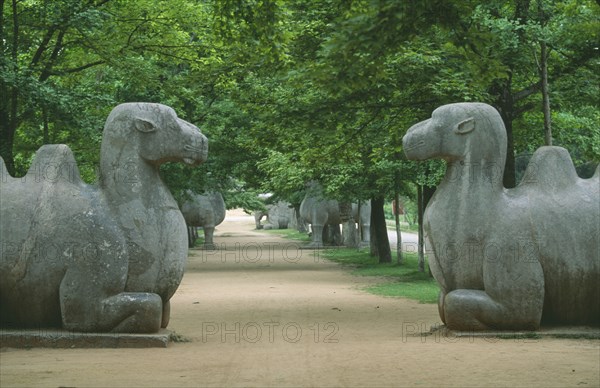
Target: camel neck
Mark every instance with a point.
(125, 176)
(474, 175)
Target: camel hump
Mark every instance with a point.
(550, 167)
(54, 163)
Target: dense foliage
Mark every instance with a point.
(299, 90)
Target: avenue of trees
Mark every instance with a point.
(290, 91)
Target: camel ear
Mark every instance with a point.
(144, 125)
(465, 126)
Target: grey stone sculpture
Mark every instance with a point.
(279, 216)
(206, 211)
(103, 258)
(507, 258)
(362, 215)
(258, 216)
(323, 215)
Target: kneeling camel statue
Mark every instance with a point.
(103, 258)
(507, 258)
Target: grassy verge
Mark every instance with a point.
(403, 281)
(391, 225)
(292, 234)
(398, 280)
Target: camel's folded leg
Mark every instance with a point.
(476, 310)
(512, 297)
(127, 312)
(86, 308)
(138, 312)
(471, 310)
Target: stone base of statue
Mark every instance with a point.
(58, 338)
(443, 333)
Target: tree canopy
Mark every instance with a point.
(293, 91)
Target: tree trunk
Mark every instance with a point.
(46, 126)
(545, 94)
(507, 109)
(9, 95)
(373, 251)
(378, 225)
(399, 257)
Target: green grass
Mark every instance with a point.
(292, 234)
(403, 281)
(404, 227)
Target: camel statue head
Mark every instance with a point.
(156, 134)
(457, 131)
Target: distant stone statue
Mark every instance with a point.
(258, 216)
(507, 258)
(205, 211)
(323, 215)
(103, 258)
(278, 216)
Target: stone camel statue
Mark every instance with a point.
(103, 258)
(507, 259)
(206, 211)
(322, 213)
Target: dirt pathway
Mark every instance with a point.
(260, 312)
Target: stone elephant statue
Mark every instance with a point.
(324, 217)
(279, 216)
(205, 211)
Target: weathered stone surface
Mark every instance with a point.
(103, 258)
(56, 338)
(258, 216)
(280, 215)
(507, 259)
(205, 211)
(323, 215)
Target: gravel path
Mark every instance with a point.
(260, 312)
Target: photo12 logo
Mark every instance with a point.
(270, 331)
(440, 334)
(254, 253)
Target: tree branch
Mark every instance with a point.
(528, 91)
(43, 46)
(76, 69)
(51, 61)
